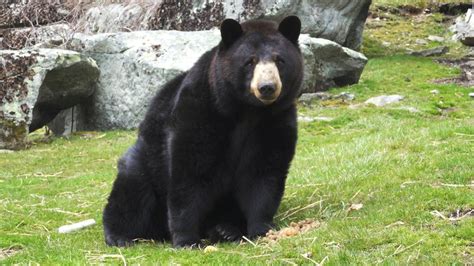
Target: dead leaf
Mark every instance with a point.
(356, 206)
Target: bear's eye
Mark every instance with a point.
(279, 60)
(250, 62)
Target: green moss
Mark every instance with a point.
(400, 34)
(13, 135)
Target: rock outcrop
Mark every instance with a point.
(36, 85)
(464, 28)
(135, 65)
(341, 21)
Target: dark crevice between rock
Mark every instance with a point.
(355, 40)
(61, 89)
(455, 9)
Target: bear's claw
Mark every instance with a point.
(226, 232)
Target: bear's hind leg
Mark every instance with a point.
(134, 209)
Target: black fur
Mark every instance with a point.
(211, 159)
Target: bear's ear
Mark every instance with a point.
(290, 27)
(230, 31)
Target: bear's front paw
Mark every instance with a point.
(118, 241)
(260, 229)
(180, 242)
(225, 232)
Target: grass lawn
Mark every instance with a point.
(407, 169)
(417, 3)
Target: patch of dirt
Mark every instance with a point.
(384, 12)
(455, 216)
(466, 79)
(9, 251)
(460, 214)
(294, 229)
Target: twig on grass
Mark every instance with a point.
(40, 174)
(452, 219)
(249, 241)
(289, 261)
(324, 260)
(355, 195)
(259, 256)
(400, 250)
(301, 209)
(397, 223)
(306, 256)
(65, 212)
(103, 257)
(456, 185)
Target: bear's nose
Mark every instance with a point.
(267, 90)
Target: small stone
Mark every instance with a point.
(471, 94)
(435, 38)
(421, 42)
(386, 44)
(409, 109)
(434, 92)
(383, 100)
(5, 151)
(307, 98)
(210, 249)
(345, 96)
(440, 50)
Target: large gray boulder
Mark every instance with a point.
(36, 85)
(464, 28)
(135, 65)
(341, 21)
(328, 64)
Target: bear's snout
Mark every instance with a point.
(266, 83)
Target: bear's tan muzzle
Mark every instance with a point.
(266, 83)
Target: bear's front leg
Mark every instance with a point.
(186, 208)
(262, 172)
(259, 200)
(192, 153)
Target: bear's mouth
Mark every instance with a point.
(267, 100)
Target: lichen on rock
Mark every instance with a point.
(36, 85)
(14, 110)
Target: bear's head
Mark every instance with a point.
(259, 62)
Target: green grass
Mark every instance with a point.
(395, 34)
(417, 3)
(397, 164)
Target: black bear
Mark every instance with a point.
(214, 149)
